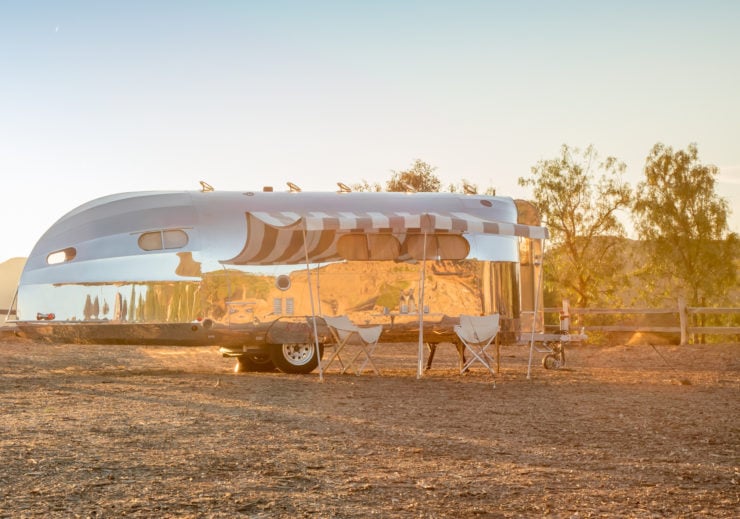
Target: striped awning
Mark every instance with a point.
(276, 237)
(398, 222)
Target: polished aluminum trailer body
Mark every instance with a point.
(250, 270)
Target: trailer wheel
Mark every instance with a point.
(255, 363)
(550, 361)
(294, 357)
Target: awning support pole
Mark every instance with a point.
(420, 309)
(313, 311)
(318, 287)
(536, 307)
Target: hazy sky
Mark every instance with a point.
(101, 97)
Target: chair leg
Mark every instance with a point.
(481, 356)
(335, 355)
(368, 358)
(350, 363)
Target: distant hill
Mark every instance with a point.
(10, 272)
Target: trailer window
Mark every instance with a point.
(61, 256)
(158, 240)
(175, 239)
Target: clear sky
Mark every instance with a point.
(100, 97)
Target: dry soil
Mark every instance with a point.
(624, 431)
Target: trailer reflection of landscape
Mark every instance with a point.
(369, 292)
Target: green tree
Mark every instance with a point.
(364, 185)
(140, 316)
(132, 305)
(467, 187)
(580, 210)
(87, 311)
(685, 224)
(419, 177)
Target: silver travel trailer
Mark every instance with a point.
(253, 272)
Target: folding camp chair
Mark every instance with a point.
(345, 332)
(477, 334)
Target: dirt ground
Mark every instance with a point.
(624, 431)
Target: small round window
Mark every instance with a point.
(282, 282)
(61, 256)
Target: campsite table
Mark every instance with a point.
(393, 315)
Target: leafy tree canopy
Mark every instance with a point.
(367, 186)
(686, 224)
(419, 177)
(579, 197)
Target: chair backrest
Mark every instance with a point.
(478, 328)
(341, 322)
(342, 327)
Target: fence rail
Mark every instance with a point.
(682, 312)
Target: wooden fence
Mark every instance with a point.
(683, 317)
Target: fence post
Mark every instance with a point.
(683, 319)
(565, 316)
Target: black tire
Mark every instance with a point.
(254, 363)
(294, 357)
(550, 362)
